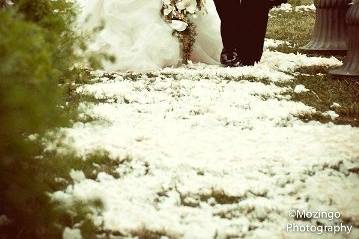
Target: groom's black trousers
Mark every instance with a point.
(243, 26)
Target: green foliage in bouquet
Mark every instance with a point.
(187, 39)
(38, 51)
(183, 11)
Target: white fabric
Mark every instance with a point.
(208, 45)
(140, 39)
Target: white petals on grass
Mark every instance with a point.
(70, 233)
(33, 137)
(272, 43)
(203, 152)
(286, 7)
(335, 106)
(332, 114)
(300, 89)
(305, 8)
(275, 66)
(77, 176)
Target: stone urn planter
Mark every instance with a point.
(351, 61)
(330, 32)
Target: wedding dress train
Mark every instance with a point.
(136, 34)
(208, 45)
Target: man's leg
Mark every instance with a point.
(252, 28)
(228, 14)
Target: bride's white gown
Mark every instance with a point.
(140, 39)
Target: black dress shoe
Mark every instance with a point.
(230, 58)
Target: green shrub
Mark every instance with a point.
(38, 50)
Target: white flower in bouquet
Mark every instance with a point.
(168, 10)
(180, 10)
(178, 14)
(166, 2)
(187, 5)
(179, 26)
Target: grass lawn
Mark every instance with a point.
(198, 149)
(157, 133)
(296, 28)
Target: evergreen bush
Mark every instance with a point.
(38, 51)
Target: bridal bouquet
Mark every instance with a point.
(178, 14)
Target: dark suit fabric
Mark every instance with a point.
(243, 27)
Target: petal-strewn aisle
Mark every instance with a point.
(203, 151)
